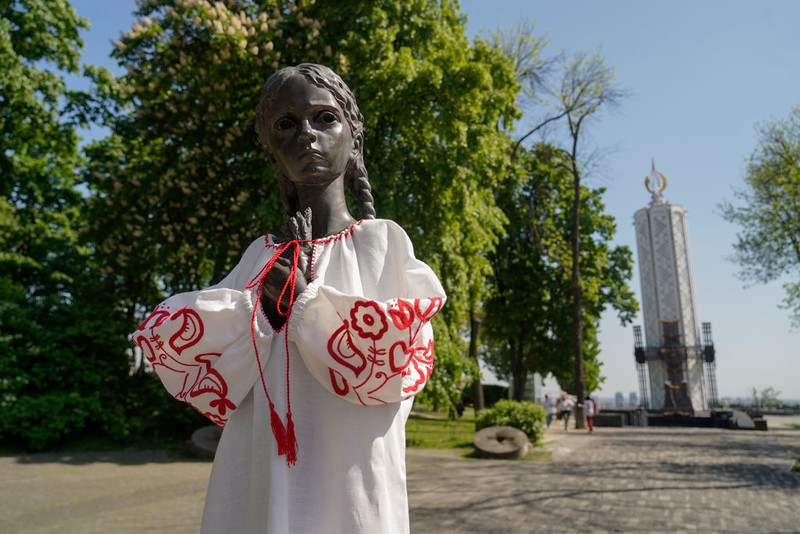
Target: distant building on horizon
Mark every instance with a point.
(671, 357)
(633, 399)
(619, 400)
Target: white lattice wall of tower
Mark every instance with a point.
(667, 285)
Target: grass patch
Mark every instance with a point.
(432, 430)
(795, 425)
(796, 466)
(539, 455)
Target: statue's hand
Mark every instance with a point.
(299, 228)
(300, 225)
(275, 282)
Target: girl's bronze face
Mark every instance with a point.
(309, 139)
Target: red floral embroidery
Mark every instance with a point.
(190, 333)
(154, 319)
(196, 376)
(369, 320)
(339, 382)
(403, 315)
(399, 356)
(433, 308)
(381, 361)
(422, 361)
(341, 348)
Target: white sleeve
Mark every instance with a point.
(376, 346)
(200, 343)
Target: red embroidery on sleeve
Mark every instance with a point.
(336, 378)
(433, 308)
(341, 348)
(399, 356)
(404, 367)
(403, 316)
(369, 320)
(154, 319)
(422, 360)
(198, 378)
(190, 333)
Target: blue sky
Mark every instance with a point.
(699, 76)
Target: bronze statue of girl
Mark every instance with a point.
(309, 353)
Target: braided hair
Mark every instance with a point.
(356, 179)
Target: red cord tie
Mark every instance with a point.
(284, 434)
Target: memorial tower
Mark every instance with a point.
(675, 355)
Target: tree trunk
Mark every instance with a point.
(577, 296)
(130, 313)
(219, 265)
(519, 369)
(477, 388)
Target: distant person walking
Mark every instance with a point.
(564, 407)
(550, 408)
(589, 409)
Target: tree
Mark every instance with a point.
(435, 107)
(767, 399)
(529, 317)
(56, 318)
(583, 87)
(523, 50)
(586, 85)
(767, 245)
(39, 150)
(523, 307)
(181, 187)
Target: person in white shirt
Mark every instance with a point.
(564, 407)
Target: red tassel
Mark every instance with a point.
(278, 430)
(291, 441)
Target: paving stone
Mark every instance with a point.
(613, 480)
(621, 480)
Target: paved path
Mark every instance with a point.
(615, 480)
(618, 480)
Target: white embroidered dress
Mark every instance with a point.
(359, 345)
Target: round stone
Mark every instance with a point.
(204, 442)
(501, 442)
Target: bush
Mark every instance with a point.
(524, 415)
(63, 367)
(154, 417)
